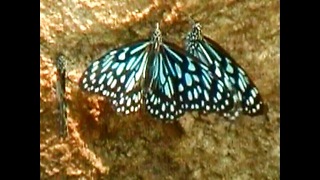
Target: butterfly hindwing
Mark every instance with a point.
(128, 103)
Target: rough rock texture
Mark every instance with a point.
(104, 145)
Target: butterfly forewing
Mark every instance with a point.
(117, 75)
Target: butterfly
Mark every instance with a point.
(245, 94)
(60, 90)
(157, 76)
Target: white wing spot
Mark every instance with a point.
(251, 100)
(195, 93)
(120, 69)
(188, 79)
(241, 85)
(220, 87)
(128, 102)
(191, 67)
(258, 106)
(85, 86)
(121, 101)
(254, 110)
(229, 69)
(109, 74)
(84, 80)
(113, 83)
(167, 115)
(253, 93)
(101, 87)
(115, 65)
(101, 79)
(180, 87)
(219, 96)
(178, 70)
(92, 76)
(109, 81)
(199, 89)
(218, 73)
(196, 78)
(163, 107)
(190, 95)
(113, 52)
(171, 108)
(226, 102)
(239, 96)
(232, 80)
(123, 77)
(122, 56)
(206, 95)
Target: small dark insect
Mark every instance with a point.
(60, 90)
(246, 97)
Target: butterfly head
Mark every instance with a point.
(195, 34)
(156, 37)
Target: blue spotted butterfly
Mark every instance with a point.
(245, 95)
(158, 77)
